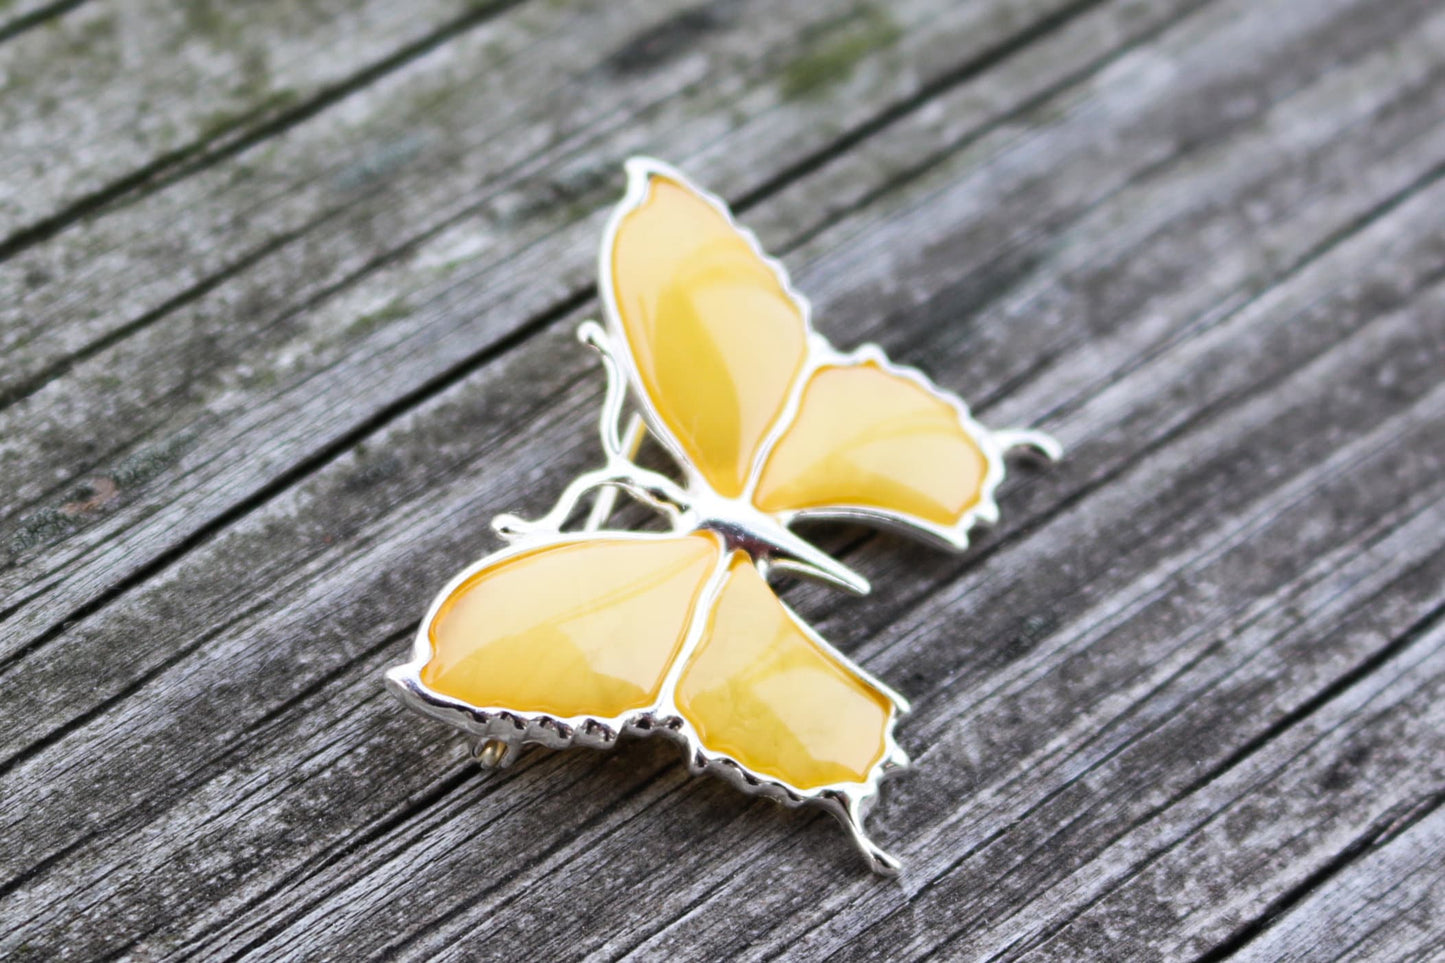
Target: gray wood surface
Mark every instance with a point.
(287, 294)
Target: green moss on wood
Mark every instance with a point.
(89, 498)
(253, 106)
(146, 464)
(833, 60)
(206, 18)
(394, 310)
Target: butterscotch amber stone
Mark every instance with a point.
(716, 338)
(864, 436)
(582, 628)
(759, 689)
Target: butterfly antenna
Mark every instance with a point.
(594, 336)
(648, 487)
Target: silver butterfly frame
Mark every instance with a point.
(499, 733)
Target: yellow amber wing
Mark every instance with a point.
(592, 627)
(719, 347)
(578, 640)
(874, 442)
(762, 691)
(716, 337)
(585, 627)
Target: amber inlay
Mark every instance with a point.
(717, 340)
(866, 437)
(763, 692)
(581, 628)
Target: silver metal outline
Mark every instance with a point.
(737, 525)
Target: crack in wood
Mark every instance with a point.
(37, 17)
(1386, 827)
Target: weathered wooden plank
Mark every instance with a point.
(293, 389)
(429, 144)
(1387, 903)
(299, 610)
(1329, 785)
(107, 97)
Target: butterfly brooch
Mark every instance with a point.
(577, 637)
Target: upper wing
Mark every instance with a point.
(734, 382)
(874, 442)
(717, 339)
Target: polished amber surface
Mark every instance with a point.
(581, 628)
(763, 692)
(716, 338)
(864, 436)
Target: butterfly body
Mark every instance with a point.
(577, 638)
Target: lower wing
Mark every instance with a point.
(579, 639)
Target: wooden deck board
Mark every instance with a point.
(264, 387)
(1396, 874)
(106, 99)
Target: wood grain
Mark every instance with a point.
(266, 380)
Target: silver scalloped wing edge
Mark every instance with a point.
(849, 802)
(537, 728)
